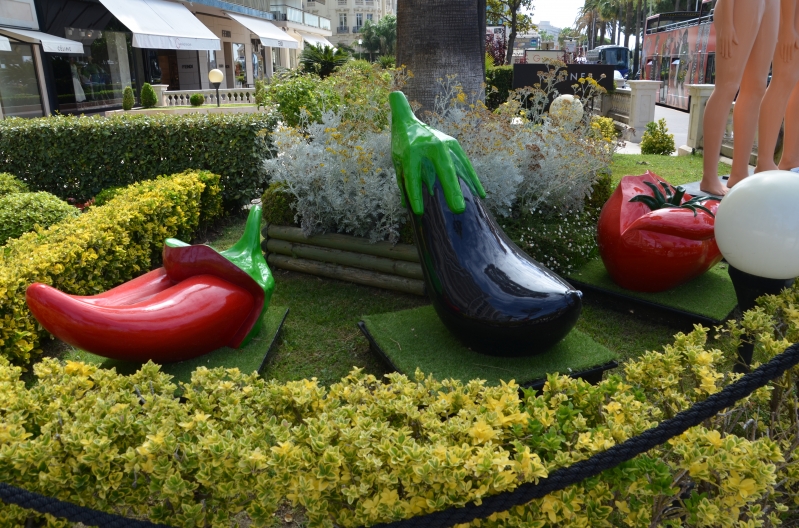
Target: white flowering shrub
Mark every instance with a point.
(339, 172)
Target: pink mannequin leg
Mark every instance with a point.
(790, 149)
(772, 109)
(746, 67)
(785, 75)
(753, 88)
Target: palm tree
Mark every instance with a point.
(380, 38)
(436, 38)
(322, 60)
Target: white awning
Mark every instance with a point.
(270, 34)
(317, 41)
(157, 24)
(5, 45)
(50, 43)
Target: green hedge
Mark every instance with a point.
(100, 249)
(236, 447)
(9, 184)
(21, 212)
(501, 78)
(77, 157)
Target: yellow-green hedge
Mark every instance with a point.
(98, 250)
(363, 451)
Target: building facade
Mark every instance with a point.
(77, 56)
(349, 16)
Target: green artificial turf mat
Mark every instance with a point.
(247, 359)
(710, 296)
(417, 338)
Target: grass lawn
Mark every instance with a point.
(677, 170)
(321, 339)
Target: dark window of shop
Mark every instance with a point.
(96, 79)
(161, 67)
(19, 85)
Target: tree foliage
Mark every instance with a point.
(380, 37)
(510, 13)
(322, 60)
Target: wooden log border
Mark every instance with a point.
(343, 257)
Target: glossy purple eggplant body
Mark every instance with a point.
(488, 292)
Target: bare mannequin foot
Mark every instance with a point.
(765, 165)
(788, 167)
(735, 178)
(712, 186)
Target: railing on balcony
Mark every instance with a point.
(286, 13)
(342, 2)
(312, 3)
(310, 19)
(356, 29)
(260, 5)
(342, 29)
(358, 2)
(324, 23)
(369, 3)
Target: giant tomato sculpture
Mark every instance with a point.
(653, 237)
(199, 301)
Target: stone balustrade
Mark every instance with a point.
(244, 96)
(620, 103)
(633, 106)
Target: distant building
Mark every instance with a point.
(348, 16)
(545, 26)
(77, 56)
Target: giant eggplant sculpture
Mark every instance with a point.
(199, 301)
(487, 292)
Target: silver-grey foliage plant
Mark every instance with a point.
(343, 180)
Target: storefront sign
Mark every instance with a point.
(527, 75)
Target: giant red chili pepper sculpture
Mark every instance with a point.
(653, 237)
(199, 301)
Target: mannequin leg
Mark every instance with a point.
(753, 87)
(790, 144)
(729, 74)
(784, 77)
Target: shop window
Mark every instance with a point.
(19, 87)
(257, 69)
(275, 59)
(97, 78)
(240, 65)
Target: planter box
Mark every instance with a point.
(343, 257)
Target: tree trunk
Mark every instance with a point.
(613, 31)
(514, 16)
(627, 24)
(676, 5)
(639, 13)
(602, 33)
(436, 38)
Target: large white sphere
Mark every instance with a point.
(757, 225)
(566, 109)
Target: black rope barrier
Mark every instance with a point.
(66, 510)
(556, 481)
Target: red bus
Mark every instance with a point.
(679, 49)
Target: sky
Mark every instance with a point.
(559, 13)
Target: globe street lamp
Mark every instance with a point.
(216, 76)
